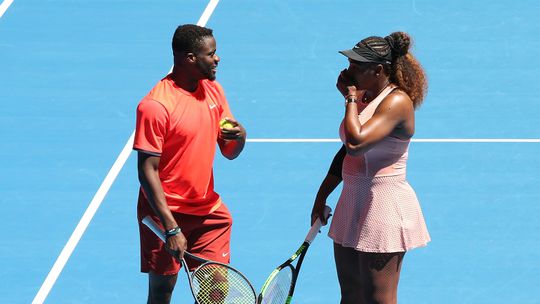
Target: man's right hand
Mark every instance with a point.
(176, 245)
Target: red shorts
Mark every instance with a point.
(207, 236)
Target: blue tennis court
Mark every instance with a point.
(72, 73)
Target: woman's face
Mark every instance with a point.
(361, 73)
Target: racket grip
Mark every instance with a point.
(150, 223)
(317, 225)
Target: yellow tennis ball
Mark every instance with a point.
(225, 124)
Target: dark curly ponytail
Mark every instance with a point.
(405, 71)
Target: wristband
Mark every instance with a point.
(172, 232)
(349, 100)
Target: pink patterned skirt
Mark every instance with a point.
(378, 214)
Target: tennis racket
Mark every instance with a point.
(212, 282)
(279, 287)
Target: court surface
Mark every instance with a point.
(72, 73)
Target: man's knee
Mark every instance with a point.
(160, 288)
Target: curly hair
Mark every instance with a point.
(405, 71)
(188, 37)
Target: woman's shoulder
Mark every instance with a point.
(397, 100)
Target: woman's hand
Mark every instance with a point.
(345, 84)
(318, 212)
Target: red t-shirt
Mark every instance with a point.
(182, 128)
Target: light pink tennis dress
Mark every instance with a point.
(378, 210)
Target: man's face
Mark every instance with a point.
(207, 60)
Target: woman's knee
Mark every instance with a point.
(349, 277)
(378, 296)
(383, 271)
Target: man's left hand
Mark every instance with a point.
(237, 132)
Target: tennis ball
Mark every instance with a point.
(225, 124)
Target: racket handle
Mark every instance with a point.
(317, 225)
(150, 223)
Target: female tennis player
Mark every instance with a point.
(378, 217)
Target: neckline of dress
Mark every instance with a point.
(383, 93)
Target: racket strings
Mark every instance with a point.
(277, 290)
(219, 284)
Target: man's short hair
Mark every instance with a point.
(188, 37)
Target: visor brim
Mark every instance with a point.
(354, 56)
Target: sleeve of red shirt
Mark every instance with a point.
(150, 127)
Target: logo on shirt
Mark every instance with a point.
(212, 106)
(225, 254)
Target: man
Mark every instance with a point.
(178, 125)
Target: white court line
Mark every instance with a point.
(207, 12)
(97, 200)
(477, 140)
(83, 224)
(4, 6)
(422, 140)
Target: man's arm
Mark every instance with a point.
(231, 141)
(149, 178)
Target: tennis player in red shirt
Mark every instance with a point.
(178, 126)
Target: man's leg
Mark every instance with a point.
(160, 288)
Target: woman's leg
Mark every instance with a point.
(348, 272)
(380, 274)
(367, 277)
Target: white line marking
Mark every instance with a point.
(4, 6)
(207, 12)
(478, 140)
(68, 249)
(83, 224)
(422, 140)
(292, 140)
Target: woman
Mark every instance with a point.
(378, 217)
